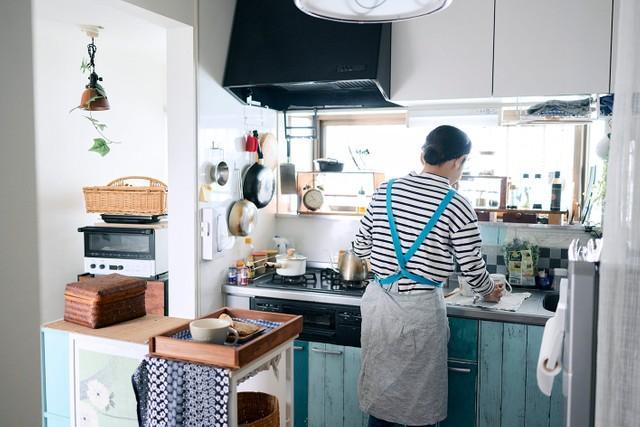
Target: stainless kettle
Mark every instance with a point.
(352, 268)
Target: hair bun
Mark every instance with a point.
(432, 155)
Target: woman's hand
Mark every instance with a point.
(497, 293)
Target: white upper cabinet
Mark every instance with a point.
(447, 55)
(552, 47)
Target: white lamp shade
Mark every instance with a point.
(370, 11)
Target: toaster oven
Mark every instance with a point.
(131, 250)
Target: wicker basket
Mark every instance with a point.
(258, 410)
(122, 198)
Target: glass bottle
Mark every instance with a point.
(525, 192)
(556, 192)
(537, 190)
(361, 202)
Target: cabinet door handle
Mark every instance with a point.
(333, 353)
(461, 370)
(298, 348)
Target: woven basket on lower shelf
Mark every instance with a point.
(120, 197)
(258, 410)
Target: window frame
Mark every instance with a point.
(580, 156)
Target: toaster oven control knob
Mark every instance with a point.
(101, 266)
(120, 267)
(92, 266)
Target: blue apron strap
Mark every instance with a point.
(392, 226)
(401, 258)
(427, 228)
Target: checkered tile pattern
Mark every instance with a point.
(548, 258)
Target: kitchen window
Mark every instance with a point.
(384, 143)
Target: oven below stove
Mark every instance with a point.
(328, 323)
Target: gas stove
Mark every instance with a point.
(314, 280)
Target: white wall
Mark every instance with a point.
(19, 305)
(131, 57)
(224, 120)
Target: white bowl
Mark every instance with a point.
(210, 330)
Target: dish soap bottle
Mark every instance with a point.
(556, 192)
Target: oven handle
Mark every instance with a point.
(461, 370)
(331, 352)
(298, 348)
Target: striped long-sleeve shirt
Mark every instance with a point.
(455, 235)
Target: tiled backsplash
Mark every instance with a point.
(548, 258)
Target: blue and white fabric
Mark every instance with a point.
(179, 394)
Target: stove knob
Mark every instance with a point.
(92, 266)
(101, 266)
(120, 267)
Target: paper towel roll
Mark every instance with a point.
(550, 352)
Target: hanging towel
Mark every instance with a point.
(174, 394)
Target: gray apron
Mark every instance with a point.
(403, 378)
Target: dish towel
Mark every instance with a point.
(511, 302)
(171, 393)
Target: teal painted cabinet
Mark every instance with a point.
(463, 386)
(508, 390)
(301, 383)
(463, 339)
(462, 373)
(55, 373)
(333, 386)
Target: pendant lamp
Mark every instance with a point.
(370, 11)
(93, 97)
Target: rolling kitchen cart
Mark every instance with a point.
(272, 349)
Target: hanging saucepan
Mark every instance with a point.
(243, 214)
(258, 185)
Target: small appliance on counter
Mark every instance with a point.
(139, 250)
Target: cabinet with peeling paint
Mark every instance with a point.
(508, 394)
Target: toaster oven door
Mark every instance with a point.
(122, 243)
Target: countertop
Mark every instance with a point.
(530, 312)
(136, 330)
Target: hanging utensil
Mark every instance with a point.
(288, 170)
(243, 214)
(258, 185)
(269, 146)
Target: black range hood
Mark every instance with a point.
(285, 59)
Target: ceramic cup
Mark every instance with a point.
(212, 330)
(501, 278)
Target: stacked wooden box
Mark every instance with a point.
(104, 300)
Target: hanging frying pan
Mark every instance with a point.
(258, 185)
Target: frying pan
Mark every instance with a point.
(243, 214)
(258, 185)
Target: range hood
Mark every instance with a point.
(285, 59)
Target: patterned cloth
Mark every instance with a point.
(179, 394)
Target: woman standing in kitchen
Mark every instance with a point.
(414, 228)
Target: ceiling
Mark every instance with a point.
(121, 28)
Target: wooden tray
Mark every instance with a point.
(224, 356)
